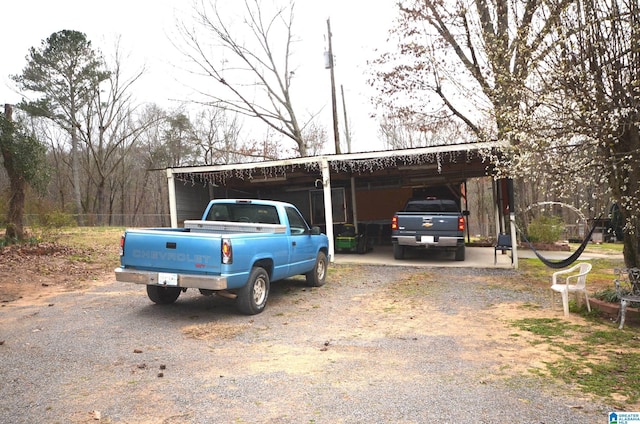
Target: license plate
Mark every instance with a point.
(426, 239)
(167, 279)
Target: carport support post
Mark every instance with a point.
(514, 239)
(512, 222)
(354, 205)
(328, 210)
(173, 210)
(496, 208)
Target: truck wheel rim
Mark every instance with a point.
(259, 291)
(320, 270)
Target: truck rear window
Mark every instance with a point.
(242, 212)
(432, 206)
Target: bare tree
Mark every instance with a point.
(556, 81)
(110, 130)
(401, 133)
(254, 73)
(474, 62)
(468, 60)
(316, 137)
(217, 135)
(141, 185)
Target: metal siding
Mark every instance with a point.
(191, 201)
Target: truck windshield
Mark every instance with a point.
(243, 212)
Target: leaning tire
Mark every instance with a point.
(252, 298)
(163, 295)
(460, 253)
(398, 251)
(316, 277)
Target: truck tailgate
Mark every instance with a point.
(172, 251)
(411, 223)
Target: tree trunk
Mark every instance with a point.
(15, 214)
(101, 203)
(75, 172)
(625, 184)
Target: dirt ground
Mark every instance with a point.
(32, 275)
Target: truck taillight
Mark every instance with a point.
(461, 223)
(394, 223)
(122, 245)
(227, 252)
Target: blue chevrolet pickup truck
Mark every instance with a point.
(236, 250)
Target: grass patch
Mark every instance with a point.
(611, 338)
(91, 245)
(88, 237)
(534, 273)
(601, 360)
(605, 248)
(545, 327)
(619, 375)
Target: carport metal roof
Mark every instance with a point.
(405, 167)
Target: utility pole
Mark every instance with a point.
(336, 134)
(346, 121)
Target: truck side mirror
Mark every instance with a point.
(315, 231)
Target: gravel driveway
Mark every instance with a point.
(376, 344)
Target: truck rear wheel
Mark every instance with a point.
(316, 277)
(252, 298)
(163, 295)
(398, 251)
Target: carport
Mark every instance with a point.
(362, 189)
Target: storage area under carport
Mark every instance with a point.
(350, 196)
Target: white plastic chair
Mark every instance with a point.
(579, 274)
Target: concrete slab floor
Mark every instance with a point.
(475, 257)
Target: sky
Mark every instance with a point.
(144, 29)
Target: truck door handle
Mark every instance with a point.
(171, 245)
(293, 243)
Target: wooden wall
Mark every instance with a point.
(381, 204)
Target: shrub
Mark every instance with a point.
(610, 295)
(607, 295)
(545, 229)
(57, 219)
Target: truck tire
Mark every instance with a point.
(163, 295)
(252, 298)
(316, 277)
(460, 253)
(398, 251)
